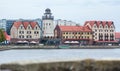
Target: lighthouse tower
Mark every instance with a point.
(47, 24)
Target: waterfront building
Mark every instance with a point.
(3, 24)
(9, 24)
(48, 24)
(103, 31)
(73, 34)
(117, 37)
(65, 23)
(25, 31)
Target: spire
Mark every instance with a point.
(48, 11)
(47, 15)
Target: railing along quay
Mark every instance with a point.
(8, 47)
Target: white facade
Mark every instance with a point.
(29, 32)
(48, 28)
(104, 31)
(48, 24)
(65, 23)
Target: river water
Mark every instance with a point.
(51, 55)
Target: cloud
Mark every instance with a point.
(76, 10)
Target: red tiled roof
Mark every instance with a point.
(17, 24)
(103, 23)
(75, 28)
(117, 35)
(33, 24)
(7, 37)
(25, 24)
(90, 22)
(109, 23)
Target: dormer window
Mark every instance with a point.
(28, 27)
(21, 27)
(111, 27)
(106, 26)
(95, 26)
(36, 28)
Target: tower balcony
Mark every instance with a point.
(47, 18)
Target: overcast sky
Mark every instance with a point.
(75, 10)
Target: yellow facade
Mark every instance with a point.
(77, 35)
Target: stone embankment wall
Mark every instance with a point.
(55, 47)
(85, 65)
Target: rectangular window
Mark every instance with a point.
(66, 32)
(95, 37)
(28, 27)
(66, 36)
(19, 32)
(76, 37)
(22, 36)
(95, 30)
(21, 27)
(37, 32)
(34, 32)
(87, 37)
(22, 32)
(76, 33)
(28, 32)
(82, 37)
(88, 33)
(19, 36)
(95, 33)
(28, 36)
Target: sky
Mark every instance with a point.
(78, 11)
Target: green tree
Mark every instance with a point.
(2, 36)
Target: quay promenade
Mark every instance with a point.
(9, 47)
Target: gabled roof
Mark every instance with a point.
(117, 35)
(33, 24)
(109, 23)
(17, 24)
(25, 24)
(90, 22)
(75, 28)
